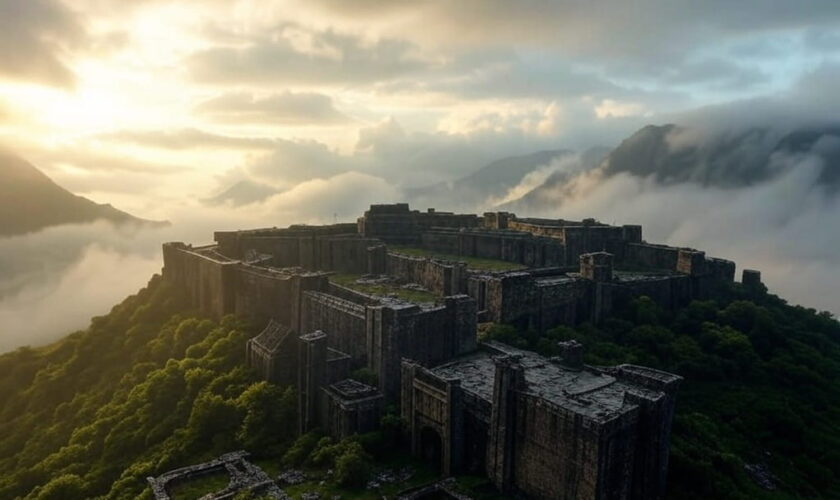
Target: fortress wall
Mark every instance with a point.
(477, 289)
(427, 336)
(515, 298)
(656, 412)
(397, 223)
(209, 282)
(339, 365)
(649, 256)
(343, 322)
(510, 297)
(228, 242)
(345, 254)
(556, 453)
(351, 295)
(261, 294)
(446, 242)
(550, 229)
(432, 218)
(585, 239)
(518, 247)
(721, 269)
(218, 286)
(329, 252)
(440, 277)
(562, 304)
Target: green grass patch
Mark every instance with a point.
(318, 481)
(382, 289)
(197, 488)
(476, 263)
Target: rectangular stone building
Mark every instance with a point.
(547, 428)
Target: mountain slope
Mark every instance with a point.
(491, 181)
(729, 159)
(29, 201)
(243, 192)
(149, 387)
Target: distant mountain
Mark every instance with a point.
(732, 159)
(491, 181)
(243, 192)
(29, 201)
(545, 193)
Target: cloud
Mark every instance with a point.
(303, 108)
(345, 195)
(643, 47)
(52, 282)
(607, 30)
(778, 227)
(291, 162)
(321, 58)
(34, 38)
(187, 138)
(565, 165)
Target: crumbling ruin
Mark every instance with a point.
(546, 428)
(244, 476)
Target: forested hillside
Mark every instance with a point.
(761, 390)
(149, 387)
(144, 389)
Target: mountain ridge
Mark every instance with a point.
(30, 201)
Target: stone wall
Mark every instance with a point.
(649, 256)
(398, 224)
(536, 300)
(655, 400)
(351, 407)
(557, 452)
(354, 296)
(427, 335)
(325, 248)
(262, 294)
(342, 320)
(509, 246)
(433, 411)
(217, 285)
(437, 276)
(208, 279)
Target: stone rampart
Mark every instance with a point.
(342, 320)
(427, 335)
(217, 285)
(438, 276)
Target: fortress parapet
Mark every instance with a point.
(542, 428)
(399, 295)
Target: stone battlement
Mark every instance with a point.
(588, 432)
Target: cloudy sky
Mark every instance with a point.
(146, 102)
(154, 105)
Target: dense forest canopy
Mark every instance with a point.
(151, 386)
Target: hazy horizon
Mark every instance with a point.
(155, 105)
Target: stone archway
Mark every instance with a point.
(431, 448)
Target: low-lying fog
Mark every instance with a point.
(54, 281)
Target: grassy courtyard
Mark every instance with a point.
(382, 289)
(476, 263)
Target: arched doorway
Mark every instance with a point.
(431, 447)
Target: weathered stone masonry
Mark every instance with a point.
(543, 428)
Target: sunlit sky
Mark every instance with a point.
(142, 102)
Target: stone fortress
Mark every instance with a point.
(537, 427)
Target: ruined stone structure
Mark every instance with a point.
(244, 476)
(272, 354)
(548, 428)
(545, 428)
